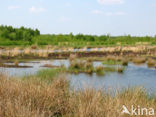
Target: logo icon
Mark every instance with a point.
(125, 110)
(137, 110)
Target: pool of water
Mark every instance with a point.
(134, 75)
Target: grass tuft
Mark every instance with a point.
(139, 60)
(100, 71)
(151, 63)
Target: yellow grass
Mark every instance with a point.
(151, 63)
(35, 98)
(139, 60)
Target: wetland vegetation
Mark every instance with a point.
(44, 96)
(52, 88)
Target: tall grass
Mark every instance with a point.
(36, 98)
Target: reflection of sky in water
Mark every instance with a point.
(132, 76)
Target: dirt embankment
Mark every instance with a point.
(84, 52)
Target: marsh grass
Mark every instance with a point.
(33, 97)
(86, 66)
(79, 66)
(112, 62)
(151, 63)
(120, 69)
(16, 63)
(72, 57)
(100, 71)
(139, 60)
(125, 62)
(50, 74)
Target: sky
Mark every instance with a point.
(96, 17)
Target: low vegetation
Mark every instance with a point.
(139, 60)
(112, 62)
(120, 69)
(78, 66)
(151, 63)
(33, 97)
(49, 74)
(125, 62)
(100, 71)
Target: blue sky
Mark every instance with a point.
(116, 17)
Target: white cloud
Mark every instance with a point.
(96, 12)
(36, 10)
(109, 2)
(13, 7)
(64, 19)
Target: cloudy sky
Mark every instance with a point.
(116, 17)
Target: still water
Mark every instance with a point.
(134, 75)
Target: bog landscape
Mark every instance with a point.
(47, 75)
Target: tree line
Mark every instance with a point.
(27, 36)
(15, 34)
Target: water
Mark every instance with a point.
(133, 76)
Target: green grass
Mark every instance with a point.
(100, 71)
(111, 62)
(49, 74)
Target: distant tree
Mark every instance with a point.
(12, 36)
(103, 38)
(80, 36)
(37, 32)
(22, 28)
(21, 33)
(10, 29)
(5, 33)
(71, 36)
